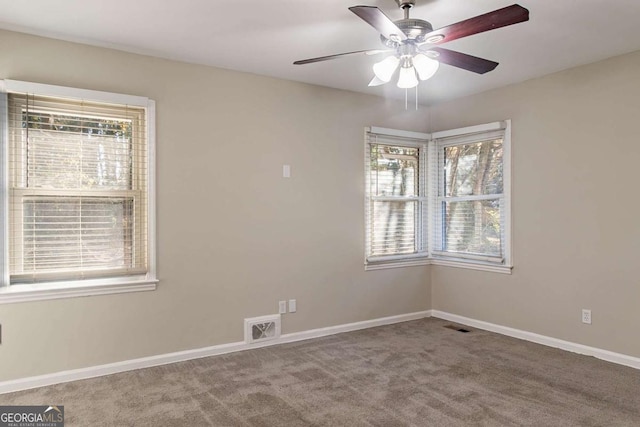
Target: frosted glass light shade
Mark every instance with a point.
(384, 69)
(425, 66)
(407, 78)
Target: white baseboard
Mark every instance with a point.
(609, 356)
(180, 356)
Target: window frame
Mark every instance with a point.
(401, 139)
(434, 142)
(12, 293)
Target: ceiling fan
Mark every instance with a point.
(411, 43)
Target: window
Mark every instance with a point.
(462, 220)
(396, 198)
(78, 210)
(470, 203)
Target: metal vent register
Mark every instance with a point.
(458, 328)
(263, 328)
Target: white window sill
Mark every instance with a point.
(493, 268)
(396, 264)
(55, 290)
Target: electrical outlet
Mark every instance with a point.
(282, 307)
(292, 306)
(586, 316)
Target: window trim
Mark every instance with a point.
(434, 257)
(75, 288)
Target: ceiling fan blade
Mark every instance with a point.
(378, 20)
(509, 15)
(375, 81)
(462, 60)
(339, 55)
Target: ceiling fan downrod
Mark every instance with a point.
(405, 5)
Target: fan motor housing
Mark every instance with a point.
(415, 30)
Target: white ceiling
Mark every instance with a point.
(265, 37)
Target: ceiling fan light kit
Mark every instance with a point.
(407, 78)
(425, 66)
(384, 69)
(410, 43)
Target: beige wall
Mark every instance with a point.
(576, 159)
(234, 236)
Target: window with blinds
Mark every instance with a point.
(395, 198)
(471, 197)
(441, 198)
(78, 189)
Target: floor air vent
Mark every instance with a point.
(258, 329)
(458, 328)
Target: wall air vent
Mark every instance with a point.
(264, 328)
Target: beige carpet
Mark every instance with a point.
(415, 373)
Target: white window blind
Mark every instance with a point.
(395, 198)
(78, 189)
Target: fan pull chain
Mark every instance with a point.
(406, 98)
